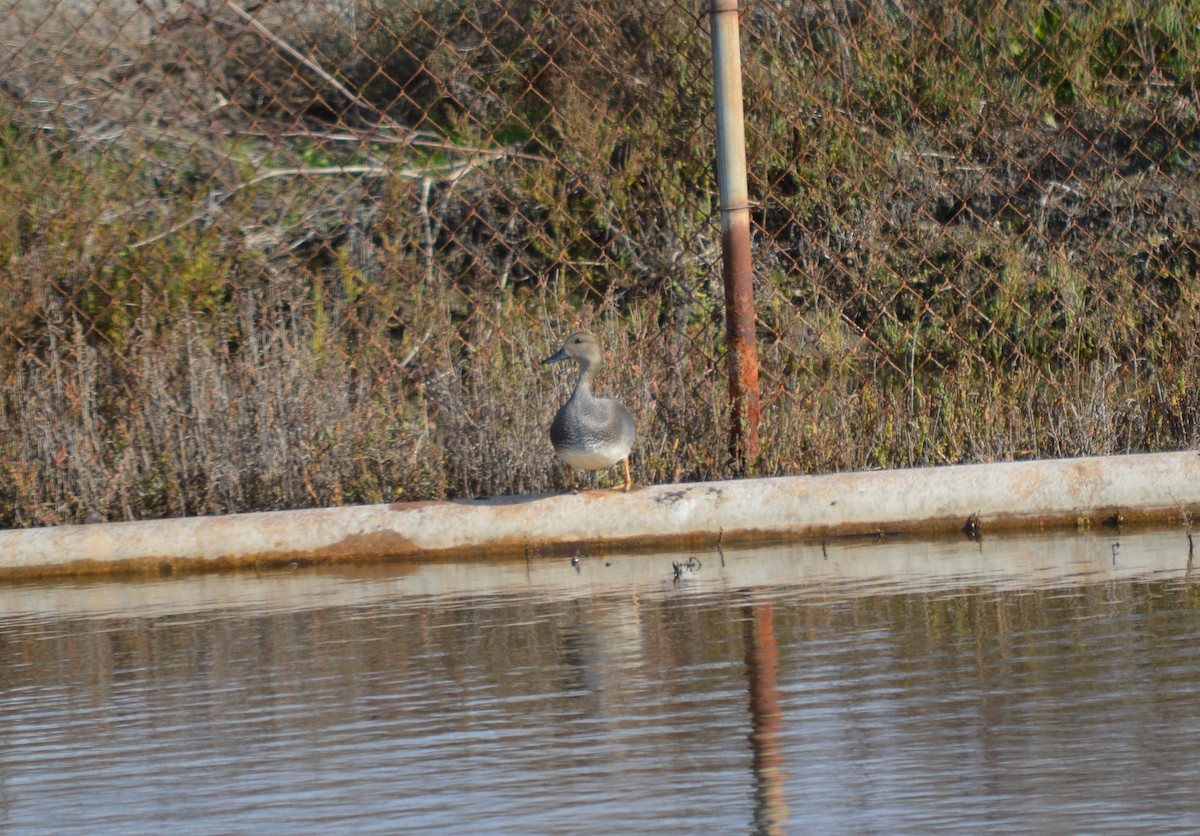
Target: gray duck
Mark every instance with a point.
(588, 432)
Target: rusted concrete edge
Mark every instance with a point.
(983, 498)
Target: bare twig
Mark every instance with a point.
(450, 174)
(409, 136)
(325, 76)
(388, 139)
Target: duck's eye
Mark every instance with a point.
(578, 341)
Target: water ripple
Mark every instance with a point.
(1029, 686)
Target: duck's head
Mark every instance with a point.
(581, 347)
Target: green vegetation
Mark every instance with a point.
(234, 281)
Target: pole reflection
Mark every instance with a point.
(762, 669)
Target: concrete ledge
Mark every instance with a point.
(1154, 488)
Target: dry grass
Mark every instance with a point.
(238, 279)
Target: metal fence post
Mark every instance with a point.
(735, 231)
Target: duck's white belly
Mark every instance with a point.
(593, 459)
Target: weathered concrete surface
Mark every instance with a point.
(1162, 487)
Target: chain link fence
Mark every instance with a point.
(273, 254)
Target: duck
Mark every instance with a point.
(588, 432)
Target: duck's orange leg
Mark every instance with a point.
(628, 479)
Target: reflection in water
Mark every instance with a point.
(1006, 687)
(766, 718)
(601, 652)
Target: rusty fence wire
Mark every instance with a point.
(296, 252)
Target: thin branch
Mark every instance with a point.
(450, 174)
(423, 139)
(325, 76)
(385, 139)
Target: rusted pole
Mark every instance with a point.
(735, 231)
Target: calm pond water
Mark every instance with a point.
(1044, 685)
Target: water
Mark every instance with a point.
(1044, 685)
